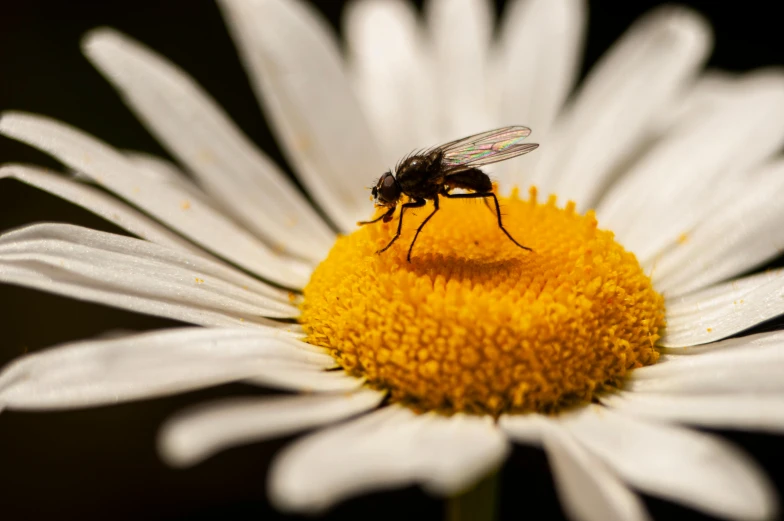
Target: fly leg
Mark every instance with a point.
(417, 203)
(485, 195)
(411, 248)
(386, 216)
(487, 205)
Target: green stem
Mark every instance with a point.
(476, 504)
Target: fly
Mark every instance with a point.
(436, 171)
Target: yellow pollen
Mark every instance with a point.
(475, 323)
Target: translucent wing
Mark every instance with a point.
(488, 147)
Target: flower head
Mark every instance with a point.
(475, 323)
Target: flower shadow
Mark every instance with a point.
(456, 266)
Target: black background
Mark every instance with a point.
(100, 463)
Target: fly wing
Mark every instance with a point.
(488, 147)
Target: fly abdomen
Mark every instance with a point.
(469, 179)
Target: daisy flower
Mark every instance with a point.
(602, 346)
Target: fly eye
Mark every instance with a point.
(388, 189)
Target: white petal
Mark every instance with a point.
(201, 431)
(308, 380)
(103, 372)
(527, 429)
(724, 411)
(587, 490)
(718, 312)
(718, 294)
(195, 130)
(713, 88)
(298, 74)
(752, 368)
(162, 171)
(79, 290)
(132, 274)
(746, 350)
(126, 217)
(688, 177)
(614, 110)
(744, 235)
(392, 69)
(253, 288)
(96, 201)
(387, 448)
(536, 63)
(727, 381)
(163, 201)
(461, 31)
(684, 466)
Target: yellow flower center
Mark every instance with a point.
(473, 323)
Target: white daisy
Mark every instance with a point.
(498, 339)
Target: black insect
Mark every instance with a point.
(436, 171)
